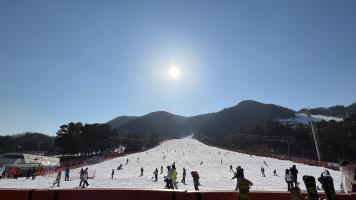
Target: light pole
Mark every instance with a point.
(316, 141)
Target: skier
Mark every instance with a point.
(347, 177)
(141, 171)
(119, 167)
(275, 172)
(201, 162)
(85, 178)
(289, 180)
(58, 179)
(293, 170)
(112, 173)
(66, 174)
(174, 177)
(231, 168)
(184, 174)
(263, 171)
(156, 174)
(161, 169)
(127, 161)
(264, 162)
(195, 176)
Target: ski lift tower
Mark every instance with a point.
(316, 141)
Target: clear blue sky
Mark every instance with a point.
(91, 61)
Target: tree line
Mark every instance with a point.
(337, 140)
(78, 138)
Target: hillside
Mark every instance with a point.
(161, 123)
(118, 121)
(246, 115)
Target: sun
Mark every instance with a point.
(174, 72)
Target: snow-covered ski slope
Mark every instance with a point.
(188, 153)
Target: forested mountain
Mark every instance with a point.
(26, 142)
(245, 115)
(333, 111)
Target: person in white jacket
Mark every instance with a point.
(347, 177)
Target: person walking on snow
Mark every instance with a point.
(231, 168)
(161, 169)
(238, 175)
(81, 175)
(112, 173)
(174, 177)
(289, 180)
(58, 179)
(184, 174)
(66, 174)
(156, 174)
(85, 178)
(127, 161)
(263, 172)
(195, 176)
(293, 170)
(169, 178)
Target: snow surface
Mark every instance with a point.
(302, 118)
(188, 153)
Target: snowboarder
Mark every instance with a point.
(156, 174)
(161, 169)
(141, 171)
(58, 179)
(293, 170)
(275, 172)
(66, 174)
(195, 176)
(231, 168)
(347, 177)
(288, 178)
(263, 171)
(174, 177)
(112, 173)
(184, 174)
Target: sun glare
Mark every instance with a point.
(174, 72)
